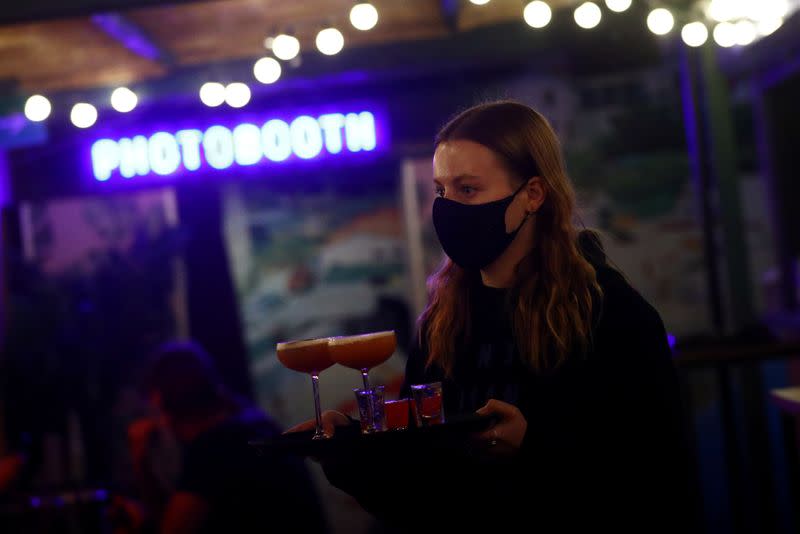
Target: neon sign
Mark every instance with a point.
(164, 153)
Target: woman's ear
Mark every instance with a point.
(536, 194)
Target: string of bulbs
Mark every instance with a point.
(730, 22)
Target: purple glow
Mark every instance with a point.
(36, 502)
(129, 34)
(5, 180)
(278, 139)
(671, 339)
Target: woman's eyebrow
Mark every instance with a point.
(455, 179)
(465, 178)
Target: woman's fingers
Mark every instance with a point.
(496, 407)
(302, 427)
(510, 428)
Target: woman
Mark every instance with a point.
(527, 321)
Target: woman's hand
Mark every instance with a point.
(330, 420)
(505, 437)
(127, 516)
(141, 435)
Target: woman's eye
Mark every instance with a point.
(439, 191)
(467, 190)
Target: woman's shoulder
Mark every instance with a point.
(629, 338)
(621, 304)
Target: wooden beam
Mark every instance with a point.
(32, 10)
(504, 47)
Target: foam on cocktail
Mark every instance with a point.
(361, 338)
(284, 345)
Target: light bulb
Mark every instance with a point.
(267, 70)
(588, 15)
(725, 10)
(124, 100)
(364, 16)
(83, 115)
(212, 94)
(695, 34)
(618, 5)
(537, 14)
(769, 26)
(330, 41)
(725, 34)
(767, 10)
(660, 21)
(37, 108)
(237, 94)
(746, 32)
(480, 2)
(285, 47)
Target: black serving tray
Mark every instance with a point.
(349, 439)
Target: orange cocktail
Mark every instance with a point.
(311, 356)
(364, 351)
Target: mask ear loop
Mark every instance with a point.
(520, 188)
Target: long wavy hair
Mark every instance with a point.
(555, 287)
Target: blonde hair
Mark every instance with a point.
(552, 296)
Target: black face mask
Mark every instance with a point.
(474, 235)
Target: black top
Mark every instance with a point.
(605, 446)
(245, 492)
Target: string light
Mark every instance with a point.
(123, 99)
(660, 21)
(725, 34)
(618, 6)
(588, 15)
(726, 10)
(769, 26)
(740, 22)
(768, 9)
(695, 34)
(83, 115)
(267, 70)
(330, 41)
(363, 16)
(285, 47)
(746, 32)
(37, 108)
(237, 95)
(537, 14)
(212, 94)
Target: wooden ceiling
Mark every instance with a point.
(77, 53)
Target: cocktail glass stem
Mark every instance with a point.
(365, 377)
(318, 434)
(370, 409)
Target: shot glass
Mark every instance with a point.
(370, 409)
(397, 414)
(428, 405)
